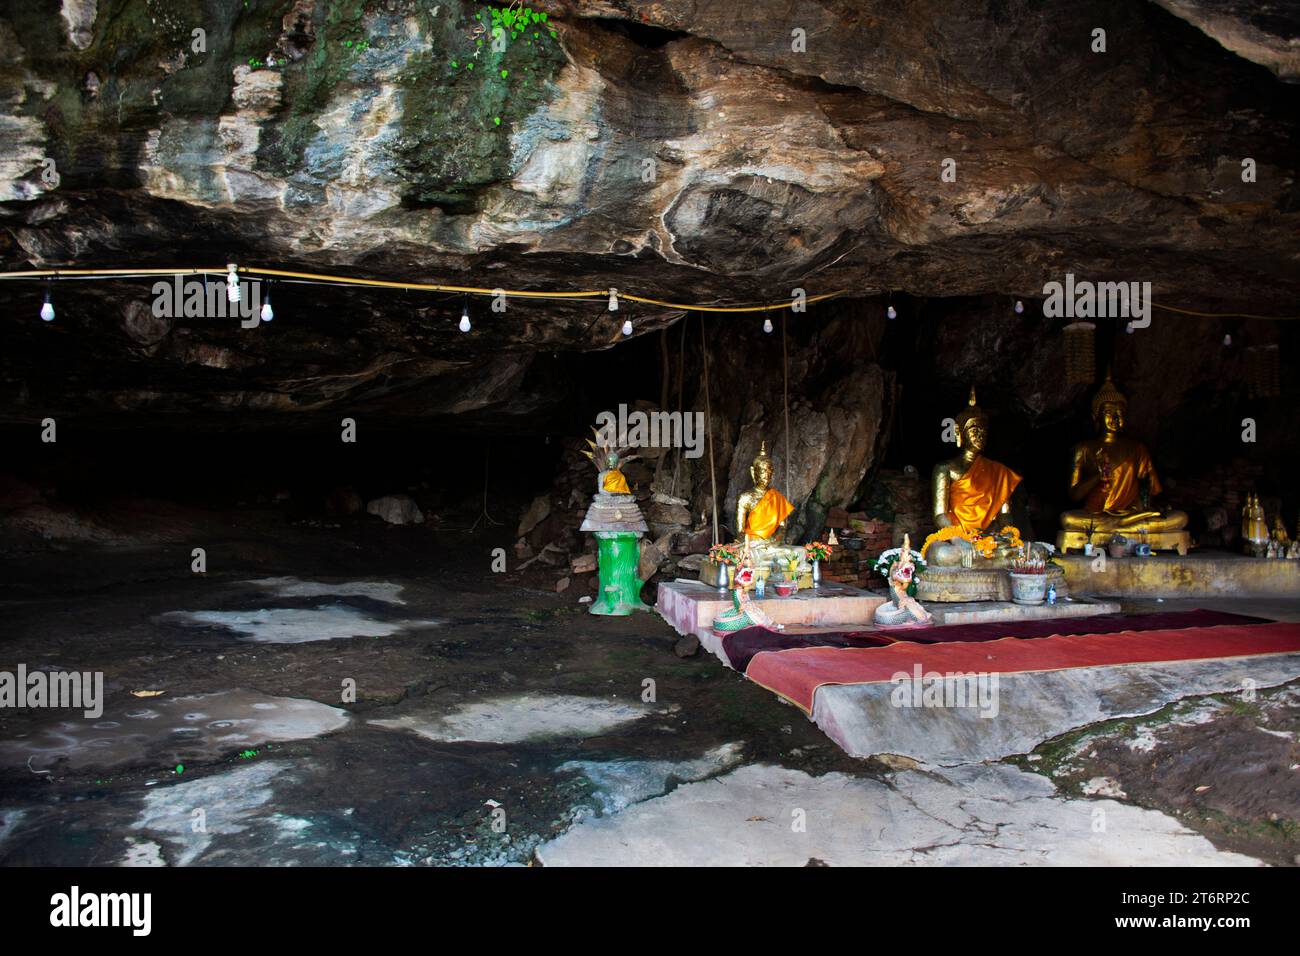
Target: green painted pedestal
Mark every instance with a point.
(618, 554)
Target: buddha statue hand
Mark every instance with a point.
(948, 554)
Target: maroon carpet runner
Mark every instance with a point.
(741, 646)
(796, 674)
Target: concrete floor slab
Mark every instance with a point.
(763, 815)
(168, 731)
(291, 587)
(296, 625)
(617, 784)
(520, 717)
(1013, 713)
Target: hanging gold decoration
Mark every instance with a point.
(1080, 354)
(1263, 371)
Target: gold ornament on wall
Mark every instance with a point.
(1080, 353)
(1263, 371)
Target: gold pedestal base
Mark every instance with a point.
(1178, 541)
(963, 585)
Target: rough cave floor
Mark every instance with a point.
(493, 724)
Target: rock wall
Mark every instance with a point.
(683, 150)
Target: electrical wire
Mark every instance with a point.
(320, 278)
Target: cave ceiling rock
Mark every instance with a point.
(1264, 33)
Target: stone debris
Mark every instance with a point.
(687, 646)
(396, 509)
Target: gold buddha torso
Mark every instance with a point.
(970, 491)
(765, 545)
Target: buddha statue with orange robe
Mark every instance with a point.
(761, 513)
(1115, 479)
(970, 491)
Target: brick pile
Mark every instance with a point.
(861, 539)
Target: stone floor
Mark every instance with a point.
(367, 696)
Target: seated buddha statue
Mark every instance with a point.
(1115, 479)
(761, 513)
(970, 491)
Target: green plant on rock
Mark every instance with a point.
(481, 74)
(511, 23)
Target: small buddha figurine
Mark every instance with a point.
(609, 461)
(1280, 533)
(970, 491)
(1115, 479)
(761, 513)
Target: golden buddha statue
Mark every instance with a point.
(761, 513)
(1115, 479)
(970, 492)
(1254, 525)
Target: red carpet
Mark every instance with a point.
(743, 646)
(796, 674)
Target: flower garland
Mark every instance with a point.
(945, 534)
(985, 545)
(727, 554)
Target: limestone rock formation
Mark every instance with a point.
(678, 149)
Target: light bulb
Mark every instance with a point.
(891, 312)
(47, 310)
(1129, 328)
(767, 325)
(1227, 341)
(267, 312)
(232, 284)
(613, 300)
(627, 326)
(1020, 306)
(464, 319)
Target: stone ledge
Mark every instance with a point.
(981, 612)
(1200, 574)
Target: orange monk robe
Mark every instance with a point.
(1125, 473)
(615, 483)
(766, 516)
(975, 498)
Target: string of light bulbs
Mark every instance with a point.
(232, 271)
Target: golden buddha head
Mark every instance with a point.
(761, 470)
(1108, 407)
(972, 425)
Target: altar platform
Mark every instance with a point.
(1200, 574)
(691, 606)
(986, 680)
